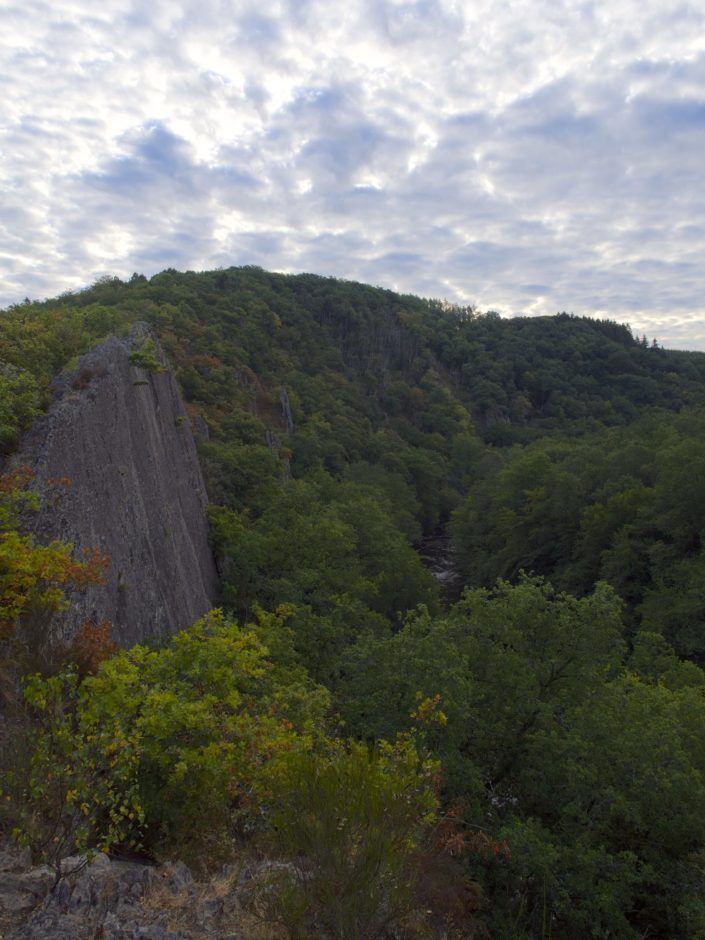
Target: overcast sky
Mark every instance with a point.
(528, 157)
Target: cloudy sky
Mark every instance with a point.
(527, 156)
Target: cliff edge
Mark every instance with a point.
(116, 469)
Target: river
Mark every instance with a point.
(438, 555)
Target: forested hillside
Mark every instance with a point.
(526, 761)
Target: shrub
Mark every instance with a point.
(165, 747)
(207, 712)
(76, 789)
(352, 821)
(146, 357)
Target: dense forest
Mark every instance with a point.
(521, 757)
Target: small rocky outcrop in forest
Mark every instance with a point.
(116, 469)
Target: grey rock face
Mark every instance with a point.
(115, 900)
(286, 411)
(119, 433)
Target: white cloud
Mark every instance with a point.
(529, 156)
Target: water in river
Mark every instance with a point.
(437, 553)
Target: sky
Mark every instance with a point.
(526, 156)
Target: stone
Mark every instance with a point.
(119, 434)
(176, 876)
(119, 900)
(23, 891)
(14, 857)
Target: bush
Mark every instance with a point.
(76, 788)
(352, 821)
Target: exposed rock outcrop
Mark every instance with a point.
(286, 411)
(116, 900)
(118, 432)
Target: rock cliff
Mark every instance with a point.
(117, 432)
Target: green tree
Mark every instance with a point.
(207, 712)
(77, 790)
(19, 404)
(34, 578)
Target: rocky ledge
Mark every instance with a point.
(122, 900)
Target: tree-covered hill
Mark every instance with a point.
(528, 375)
(338, 425)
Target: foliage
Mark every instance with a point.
(53, 803)
(19, 404)
(163, 746)
(145, 357)
(89, 646)
(622, 507)
(33, 578)
(558, 750)
(352, 821)
(15, 497)
(333, 551)
(207, 713)
(78, 790)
